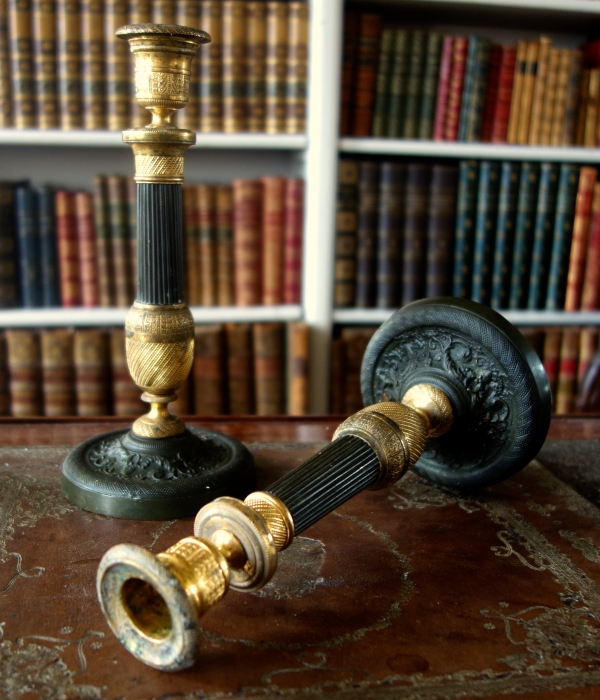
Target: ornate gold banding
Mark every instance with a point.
(276, 515)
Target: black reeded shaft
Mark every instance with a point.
(160, 244)
(331, 477)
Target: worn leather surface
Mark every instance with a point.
(410, 592)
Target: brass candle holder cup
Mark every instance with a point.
(158, 469)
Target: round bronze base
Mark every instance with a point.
(123, 475)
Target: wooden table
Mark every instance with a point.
(411, 592)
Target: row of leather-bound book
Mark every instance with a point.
(508, 235)
(423, 85)
(565, 352)
(242, 243)
(61, 65)
(239, 369)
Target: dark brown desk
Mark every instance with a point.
(413, 592)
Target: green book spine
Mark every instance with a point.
(485, 227)
(505, 234)
(561, 236)
(414, 86)
(430, 85)
(466, 211)
(542, 236)
(382, 86)
(398, 83)
(474, 124)
(524, 228)
(467, 87)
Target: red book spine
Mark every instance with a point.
(247, 241)
(590, 298)
(443, 88)
(504, 94)
(86, 244)
(68, 256)
(366, 74)
(457, 77)
(491, 93)
(273, 231)
(292, 251)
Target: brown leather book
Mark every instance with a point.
(240, 369)
(345, 234)
(209, 375)
(22, 64)
(560, 100)
(224, 252)
(549, 97)
(207, 221)
(292, 246)
(269, 368)
(6, 111)
(539, 91)
(590, 129)
(90, 355)
(191, 237)
(551, 358)
(211, 67)
(235, 105)
(517, 93)
(58, 372)
(103, 244)
(4, 378)
(298, 344)
(118, 85)
(566, 388)
(588, 346)
(140, 12)
(70, 84)
(68, 253)
(415, 232)
(297, 68)
(366, 235)
(572, 100)
(277, 47)
(584, 90)
(338, 376)
(256, 65)
(590, 296)
(94, 66)
(188, 15)
(163, 11)
(247, 237)
(125, 394)
(119, 239)
(86, 247)
(182, 406)
(533, 49)
(349, 56)
(440, 231)
(366, 74)
(356, 340)
(46, 65)
(25, 372)
(455, 90)
(273, 220)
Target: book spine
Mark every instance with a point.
(502, 106)
(561, 237)
(273, 220)
(487, 214)
(28, 246)
(533, 49)
(90, 356)
(398, 84)
(440, 230)
(349, 55)
(247, 236)
(9, 291)
(207, 220)
(560, 100)
(337, 399)
(505, 235)
(94, 69)
(49, 276)
(366, 74)
(591, 112)
(269, 373)
(542, 236)
(292, 241)
(235, 106)
(211, 68)
(588, 347)
(6, 108)
(491, 92)
(131, 187)
(549, 98)
(22, 64)
(277, 49)
(465, 103)
(415, 232)
(103, 245)
(414, 86)
(476, 103)
(464, 238)
(118, 101)
(457, 79)
(345, 236)
(392, 184)
(182, 406)
(584, 87)
(58, 374)
(188, 15)
(4, 378)
(572, 102)
(298, 338)
(25, 372)
(240, 376)
(366, 234)
(297, 68)
(126, 399)
(539, 91)
(163, 11)
(256, 60)
(583, 208)
(517, 93)
(46, 73)
(551, 358)
(140, 12)
(430, 84)
(590, 297)
(225, 258)
(443, 88)
(68, 254)
(209, 370)
(356, 341)
(383, 83)
(567, 371)
(119, 239)
(524, 228)
(70, 85)
(191, 238)
(86, 246)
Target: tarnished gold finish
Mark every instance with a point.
(433, 405)
(276, 515)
